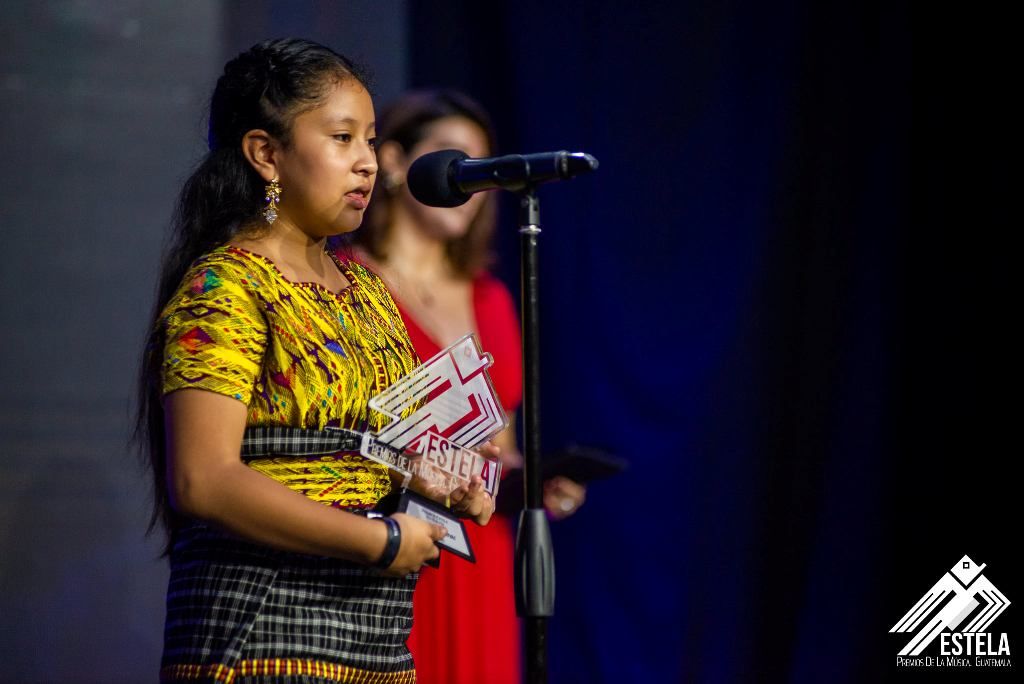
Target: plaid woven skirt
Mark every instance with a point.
(240, 612)
(243, 613)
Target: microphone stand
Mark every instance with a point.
(535, 562)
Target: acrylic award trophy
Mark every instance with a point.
(450, 406)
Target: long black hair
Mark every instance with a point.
(265, 87)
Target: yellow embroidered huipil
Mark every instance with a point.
(296, 354)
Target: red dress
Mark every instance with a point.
(465, 629)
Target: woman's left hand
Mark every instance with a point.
(472, 501)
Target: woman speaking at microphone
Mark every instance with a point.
(277, 574)
(435, 262)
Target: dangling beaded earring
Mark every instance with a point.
(273, 197)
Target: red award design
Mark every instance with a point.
(449, 406)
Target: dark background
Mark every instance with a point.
(785, 297)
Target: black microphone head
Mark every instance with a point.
(431, 180)
(580, 162)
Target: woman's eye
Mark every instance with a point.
(344, 137)
(374, 143)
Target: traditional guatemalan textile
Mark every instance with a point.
(297, 355)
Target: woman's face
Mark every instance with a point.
(449, 133)
(328, 170)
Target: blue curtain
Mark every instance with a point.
(755, 300)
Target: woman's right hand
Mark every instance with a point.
(417, 547)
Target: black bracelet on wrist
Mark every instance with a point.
(393, 544)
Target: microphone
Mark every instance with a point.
(448, 178)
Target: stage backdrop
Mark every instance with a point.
(783, 297)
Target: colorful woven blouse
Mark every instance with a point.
(296, 354)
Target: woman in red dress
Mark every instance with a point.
(435, 263)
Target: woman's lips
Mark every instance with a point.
(357, 199)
